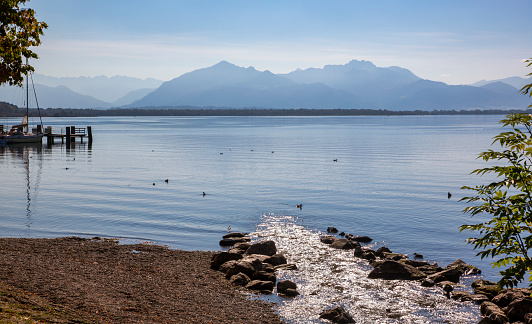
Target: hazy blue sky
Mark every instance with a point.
(456, 42)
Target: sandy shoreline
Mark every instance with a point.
(102, 281)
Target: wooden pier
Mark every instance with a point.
(70, 135)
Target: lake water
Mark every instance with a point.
(390, 182)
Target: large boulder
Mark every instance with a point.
(393, 270)
(264, 276)
(328, 239)
(264, 248)
(287, 287)
(464, 268)
(230, 241)
(451, 274)
(381, 250)
(362, 239)
(220, 258)
(275, 260)
(337, 315)
(485, 287)
(332, 230)
(506, 296)
(262, 286)
(247, 267)
(343, 244)
(239, 279)
(517, 309)
(493, 312)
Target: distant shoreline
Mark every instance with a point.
(7, 110)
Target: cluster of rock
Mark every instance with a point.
(253, 266)
(513, 305)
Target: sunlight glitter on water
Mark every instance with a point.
(328, 277)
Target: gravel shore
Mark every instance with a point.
(102, 281)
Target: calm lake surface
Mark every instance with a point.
(390, 182)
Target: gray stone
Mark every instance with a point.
(275, 260)
(343, 244)
(493, 312)
(239, 279)
(337, 315)
(264, 248)
(263, 286)
(452, 274)
(285, 284)
(393, 270)
(220, 258)
(264, 276)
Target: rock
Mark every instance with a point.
(233, 235)
(528, 318)
(393, 256)
(264, 276)
(493, 312)
(247, 267)
(479, 298)
(489, 291)
(285, 284)
(332, 230)
(452, 274)
(427, 283)
(290, 266)
(358, 252)
(416, 263)
(239, 279)
(418, 256)
(368, 255)
(461, 296)
(506, 296)
(381, 250)
(481, 282)
(430, 269)
(240, 247)
(337, 315)
(518, 309)
(264, 248)
(220, 258)
(342, 234)
(233, 240)
(268, 267)
(263, 286)
(363, 239)
(224, 267)
(275, 260)
(290, 292)
(448, 288)
(343, 244)
(328, 239)
(464, 268)
(392, 270)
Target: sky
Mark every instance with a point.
(456, 42)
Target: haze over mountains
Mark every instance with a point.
(355, 85)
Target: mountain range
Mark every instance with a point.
(355, 85)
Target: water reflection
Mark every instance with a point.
(30, 154)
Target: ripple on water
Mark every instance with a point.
(329, 277)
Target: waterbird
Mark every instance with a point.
(66, 168)
(229, 228)
(221, 154)
(204, 193)
(449, 195)
(335, 160)
(154, 183)
(166, 180)
(299, 206)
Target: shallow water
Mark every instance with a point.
(390, 182)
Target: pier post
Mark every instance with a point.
(68, 139)
(72, 132)
(89, 133)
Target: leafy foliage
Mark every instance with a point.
(508, 234)
(19, 30)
